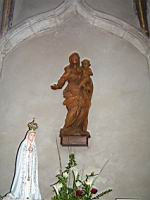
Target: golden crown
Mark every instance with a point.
(32, 125)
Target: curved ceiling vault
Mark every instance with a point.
(47, 21)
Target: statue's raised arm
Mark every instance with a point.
(61, 81)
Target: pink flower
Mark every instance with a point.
(93, 190)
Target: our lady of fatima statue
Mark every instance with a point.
(25, 183)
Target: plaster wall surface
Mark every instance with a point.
(122, 9)
(119, 116)
(28, 8)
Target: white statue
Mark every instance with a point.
(25, 183)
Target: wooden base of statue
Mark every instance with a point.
(74, 138)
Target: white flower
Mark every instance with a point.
(90, 180)
(78, 183)
(57, 187)
(65, 174)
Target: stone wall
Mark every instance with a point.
(119, 116)
(34, 56)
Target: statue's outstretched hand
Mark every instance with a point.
(54, 87)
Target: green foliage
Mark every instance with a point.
(70, 185)
(72, 162)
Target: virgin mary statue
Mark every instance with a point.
(25, 183)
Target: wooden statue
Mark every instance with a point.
(77, 94)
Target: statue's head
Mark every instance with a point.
(31, 136)
(86, 63)
(74, 59)
(31, 133)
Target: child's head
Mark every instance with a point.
(86, 63)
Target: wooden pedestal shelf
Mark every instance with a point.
(74, 140)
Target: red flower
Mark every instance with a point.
(93, 190)
(80, 193)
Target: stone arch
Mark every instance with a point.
(36, 25)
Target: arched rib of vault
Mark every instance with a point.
(36, 25)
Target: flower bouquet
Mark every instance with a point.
(71, 186)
